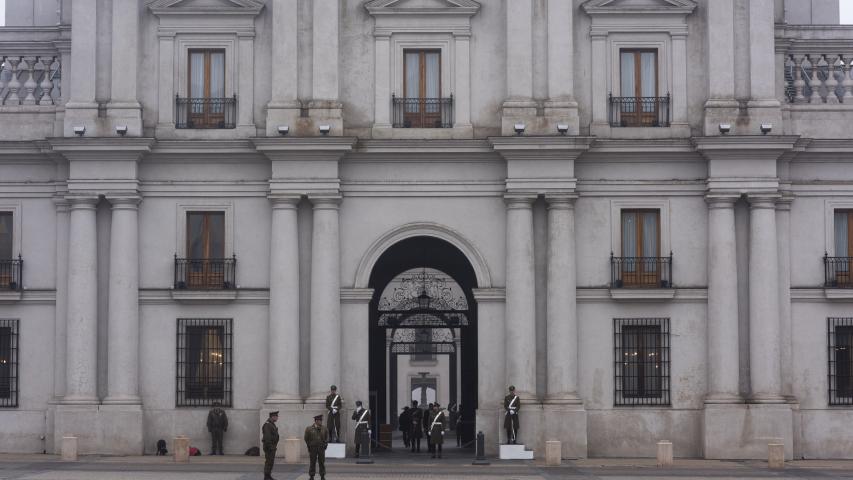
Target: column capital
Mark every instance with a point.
(124, 202)
(784, 202)
(325, 202)
(285, 202)
(721, 200)
(762, 200)
(561, 201)
(82, 201)
(519, 200)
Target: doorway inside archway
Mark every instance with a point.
(423, 337)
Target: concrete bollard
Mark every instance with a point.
(776, 455)
(664, 453)
(292, 448)
(181, 448)
(69, 448)
(553, 453)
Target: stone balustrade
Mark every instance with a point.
(819, 78)
(30, 80)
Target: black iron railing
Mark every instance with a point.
(639, 111)
(645, 272)
(422, 112)
(641, 361)
(205, 273)
(205, 112)
(12, 274)
(840, 371)
(837, 272)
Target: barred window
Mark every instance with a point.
(641, 361)
(9, 363)
(204, 362)
(840, 341)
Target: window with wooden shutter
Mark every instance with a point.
(641, 248)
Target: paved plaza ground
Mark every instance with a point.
(50, 467)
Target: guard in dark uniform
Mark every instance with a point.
(270, 444)
(437, 427)
(427, 419)
(361, 416)
(334, 404)
(317, 439)
(416, 416)
(512, 404)
(405, 425)
(459, 426)
(217, 425)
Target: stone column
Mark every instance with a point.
(721, 106)
(82, 109)
(723, 351)
(355, 328)
(325, 48)
(762, 46)
(62, 222)
(679, 82)
(284, 334)
(124, 108)
(82, 321)
(600, 124)
(382, 99)
(246, 97)
(166, 81)
(519, 50)
(462, 95)
(491, 363)
(283, 108)
(325, 298)
(562, 320)
(783, 228)
(520, 297)
(764, 335)
(123, 306)
(561, 106)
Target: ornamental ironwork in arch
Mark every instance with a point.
(423, 298)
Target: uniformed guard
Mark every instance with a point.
(437, 427)
(512, 404)
(416, 415)
(317, 439)
(334, 404)
(459, 424)
(405, 425)
(270, 444)
(217, 425)
(427, 418)
(361, 416)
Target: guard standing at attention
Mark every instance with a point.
(361, 416)
(416, 415)
(511, 406)
(217, 425)
(405, 425)
(317, 439)
(334, 403)
(270, 444)
(437, 427)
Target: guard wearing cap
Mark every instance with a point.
(317, 439)
(437, 427)
(511, 406)
(334, 403)
(270, 444)
(416, 419)
(361, 416)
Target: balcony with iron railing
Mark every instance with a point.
(12, 274)
(837, 272)
(205, 273)
(641, 277)
(639, 111)
(206, 113)
(422, 112)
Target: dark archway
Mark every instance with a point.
(437, 254)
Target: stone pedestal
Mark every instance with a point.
(69, 449)
(120, 430)
(79, 421)
(553, 453)
(742, 431)
(292, 448)
(569, 424)
(775, 455)
(181, 449)
(489, 422)
(336, 450)
(515, 452)
(664, 453)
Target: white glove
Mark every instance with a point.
(369, 432)
(442, 432)
(512, 411)
(334, 411)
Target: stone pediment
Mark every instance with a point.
(632, 7)
(195, 7)
(415, 7)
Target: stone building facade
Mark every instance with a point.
(644, 204)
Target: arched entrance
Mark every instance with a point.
(423, 330)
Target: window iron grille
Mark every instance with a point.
(639, 111)
(9, 386)
(642, 272)
(837, 272)
(201, 113)
(205, 273)
(12, 274)
(422, 112)
(840, 371)
(204, 362)
(641, 361)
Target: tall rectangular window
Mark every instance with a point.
(642, 361)
(207, 102)
(840, 342)
(204, 362)
(639, 87)
(205, 249)
(641, 247)
(422, 88)
(6, 237)
(9, 363)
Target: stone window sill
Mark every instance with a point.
(642, 294)
(838, 293)
(10, 296)
(204, 296)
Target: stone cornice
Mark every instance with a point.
(101, 148)
(540, 148)
(744, 147)
(228, 7)
(664, 7)
(391, 7)
(283, 148)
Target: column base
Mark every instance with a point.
(562, 112)
(566, 423)
(763, 112)
(743, 431)
(720, 112)
(127, 115)
(285, 113)
(100, 429)
(83, 114)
